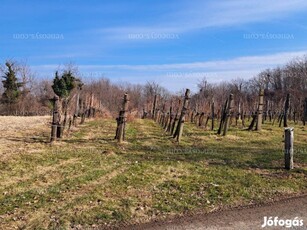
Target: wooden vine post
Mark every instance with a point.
(243, 114)
(228, 113)
(121, 120)
(254, 118)
(179, 128)
(212, 115)
(192, 115)
(55, 131)
(76, 114)
(201, 119)
(223, 117)
(83, 109)
(260, 110)
(171, 117)
(175, 121)
(153, 115)
(305, 112)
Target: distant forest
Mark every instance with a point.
(23, 94)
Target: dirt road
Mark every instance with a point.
(241, 218)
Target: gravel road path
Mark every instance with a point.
(241, 218)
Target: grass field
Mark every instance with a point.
(88, 180)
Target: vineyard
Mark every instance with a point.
(90, 179)
(105, 156)
(111, 156)
(153, 115)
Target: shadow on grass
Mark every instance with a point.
(84, 141)
(29, 140)
(234, 157)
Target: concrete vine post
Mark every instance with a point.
(289, 139)
(260, 110)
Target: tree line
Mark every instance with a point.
(24, 94)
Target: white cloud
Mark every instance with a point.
(245, 62)
(241, 11)
(181, 75)
(203, 14)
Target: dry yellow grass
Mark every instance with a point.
(88, 180)
(18, 132)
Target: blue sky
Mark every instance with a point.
(175, 43)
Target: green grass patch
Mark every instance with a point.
(89, 179)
